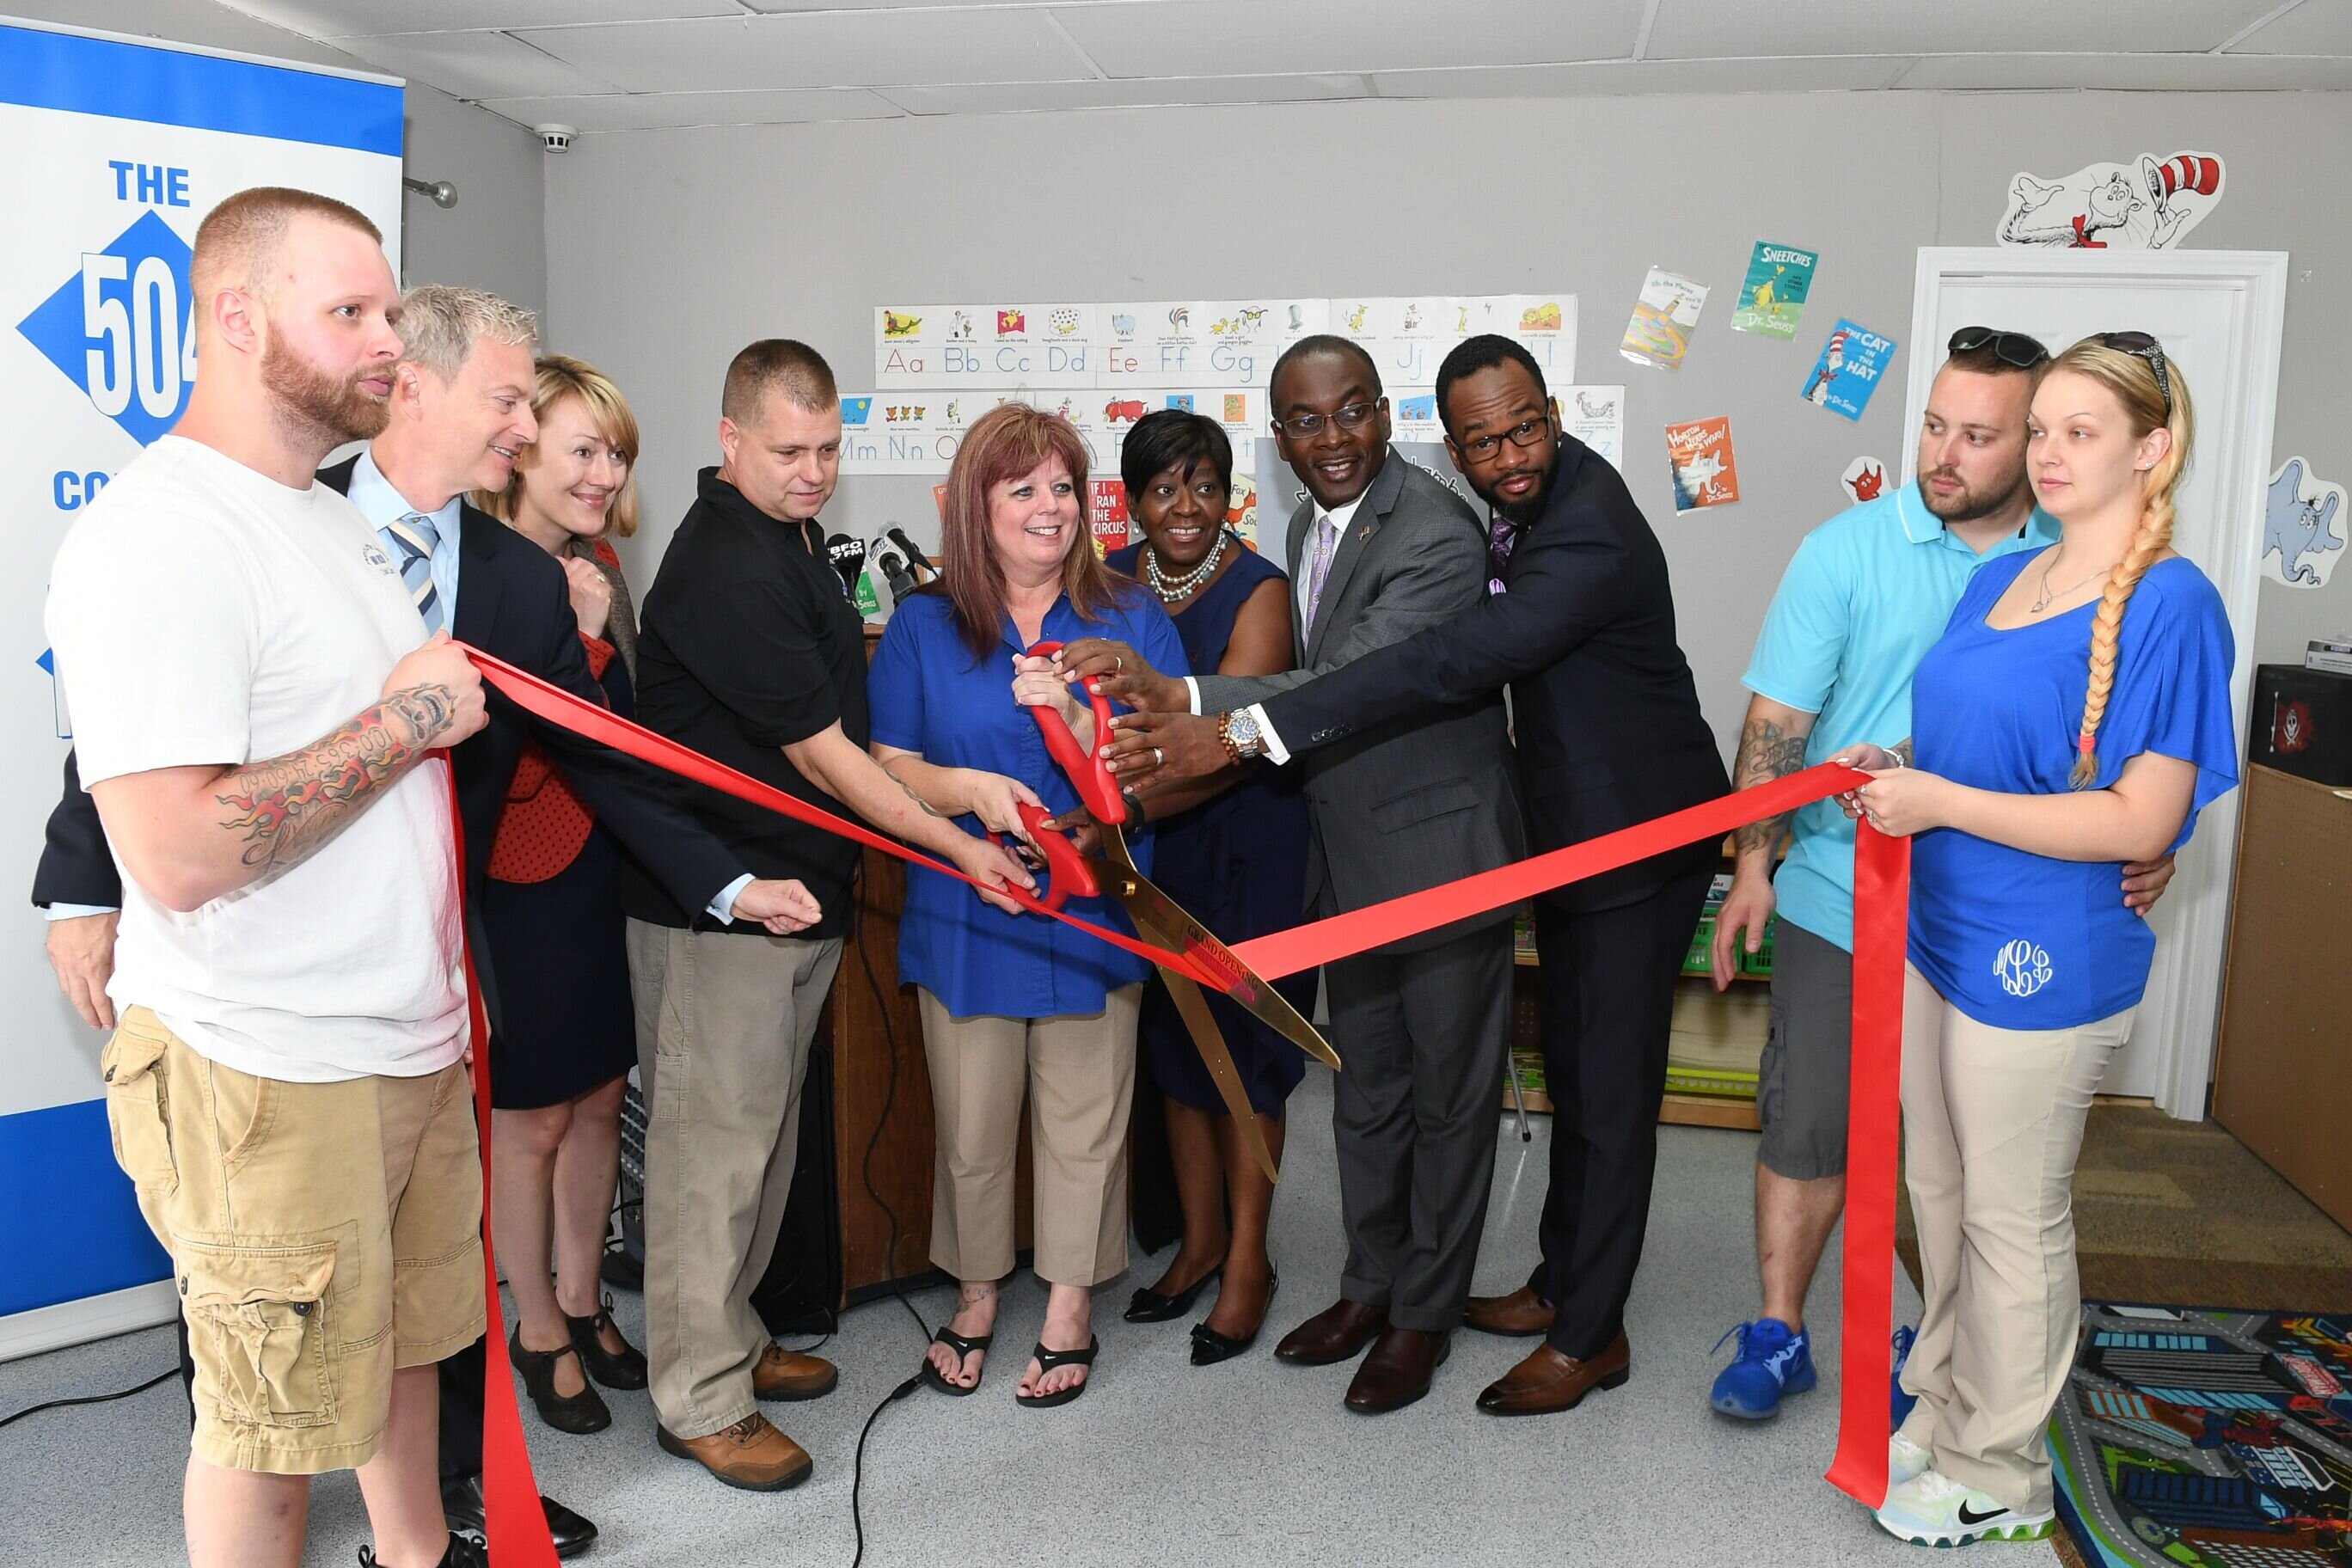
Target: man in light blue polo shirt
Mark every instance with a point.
(1863, 600)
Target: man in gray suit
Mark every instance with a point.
(1380, 549)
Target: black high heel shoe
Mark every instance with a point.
(1151, 1307)
(579, 1414)
(1210, 1347)
(624, 1368)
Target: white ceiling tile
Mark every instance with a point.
(375, 18)
(1716, 29)
(1207, 38)
(2167, 73)
(2314, 27)
(837, 49)
(1602, 78)
(1017, 97)
(670, 111)
(472, 65)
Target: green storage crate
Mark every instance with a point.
(1759, 962)
(1700, 960)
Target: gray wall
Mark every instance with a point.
(495, 237)
(674, 247)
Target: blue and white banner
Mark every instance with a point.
(118, 147)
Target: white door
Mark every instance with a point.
(2219, 316)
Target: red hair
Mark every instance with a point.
(1008, 441)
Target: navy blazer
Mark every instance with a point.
(1604, 706)
(513, 602)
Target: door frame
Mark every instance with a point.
(2235, 414)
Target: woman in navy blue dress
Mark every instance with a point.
(1232, 852)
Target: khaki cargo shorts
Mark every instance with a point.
(321, 1235)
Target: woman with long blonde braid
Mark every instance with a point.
(2038, 773)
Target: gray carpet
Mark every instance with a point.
(1161, 1463)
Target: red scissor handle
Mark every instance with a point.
(1067, 875)
(1098, 787)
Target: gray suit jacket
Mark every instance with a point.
(1404, 805)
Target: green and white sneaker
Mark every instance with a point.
(1933, 1510)
(1905, 1459)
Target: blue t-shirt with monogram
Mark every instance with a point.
(2020, 941)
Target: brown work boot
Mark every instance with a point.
(751, 1454)
(1519, 1313)
(788, 1374)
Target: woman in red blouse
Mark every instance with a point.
(551, 918)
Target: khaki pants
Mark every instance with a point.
(1992, 1121)
(1079, 1075)
(321, 1235)
(724, 1023)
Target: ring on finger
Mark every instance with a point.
(1158, 757)
(1117, 662)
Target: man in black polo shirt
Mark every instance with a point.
(751, 654)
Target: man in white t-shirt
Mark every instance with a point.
(255, 705)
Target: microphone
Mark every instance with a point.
(847, 557)
(922, 563)
(895, 572)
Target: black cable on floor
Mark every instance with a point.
(865, 1174)
(160, 1377)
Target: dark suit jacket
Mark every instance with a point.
(1407, 805)
(513, 602)
(1602, 701)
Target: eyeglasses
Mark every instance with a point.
(2009, 348)
(2147, 348)
(1299, 427)
(1526, 433)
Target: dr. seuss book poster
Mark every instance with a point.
(1660, 330)
(1772, 295)
(1704, 472)
(1852, 364)
(2147, 203)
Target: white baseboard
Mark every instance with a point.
(92, 1318)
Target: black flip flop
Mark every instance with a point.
(1047, 1361)
(963, 1347)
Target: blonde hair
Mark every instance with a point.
(2133, 379)
(561, 378)
(439, 326)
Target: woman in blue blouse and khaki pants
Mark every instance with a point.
(1014, 1004)
(2038, 772)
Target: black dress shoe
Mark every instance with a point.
(625, 1368)
(578, 1414)
(462, 1552)
(1151, 1307)
(1210, 1347)
(461, 1505)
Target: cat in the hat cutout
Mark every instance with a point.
(2148, 204)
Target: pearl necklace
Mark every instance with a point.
(1171, 589)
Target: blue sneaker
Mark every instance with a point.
(1771, 1362)
(1899, 1399)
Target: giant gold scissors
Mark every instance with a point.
(1110, 873)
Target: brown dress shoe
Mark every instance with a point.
(1521, 1312)
(788, 1374)
(750, 1455)
(1398, 1371)
(1548, 1381)
(1333, 1334)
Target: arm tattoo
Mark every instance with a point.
(288, 806)
(1767, 752)
(927, 808)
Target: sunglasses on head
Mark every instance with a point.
(2009, 348)
(2145, 347)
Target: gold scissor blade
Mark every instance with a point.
(1162, 920)
(1194, 1008)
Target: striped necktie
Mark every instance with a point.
(1319, 565)
(415, 537)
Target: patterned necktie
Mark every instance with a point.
(415, 537)
(1499, 540)
(1326, 536)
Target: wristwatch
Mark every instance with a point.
(1239, 731)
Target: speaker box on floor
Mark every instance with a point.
(802, 1289)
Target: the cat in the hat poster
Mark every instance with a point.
(2148, 203)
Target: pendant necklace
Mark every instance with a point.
(1173, 588)
(2049, 597)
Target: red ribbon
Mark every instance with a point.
(1881, 876)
